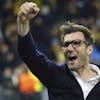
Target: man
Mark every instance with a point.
(77, 79)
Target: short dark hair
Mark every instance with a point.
(69, 27)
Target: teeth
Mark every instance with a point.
(72, 56)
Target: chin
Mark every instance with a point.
(73, 67)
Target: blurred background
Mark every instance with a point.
(16, 80)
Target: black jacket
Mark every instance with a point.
(61, 84)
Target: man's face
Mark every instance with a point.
(76, 50)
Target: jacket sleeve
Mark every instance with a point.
(46, 70)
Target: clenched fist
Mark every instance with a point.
(27, 11)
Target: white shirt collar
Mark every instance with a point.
(88, 86)
(95, 68)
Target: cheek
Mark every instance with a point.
(83, 57)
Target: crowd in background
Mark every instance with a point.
(45, 31)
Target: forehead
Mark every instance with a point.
(74, 36)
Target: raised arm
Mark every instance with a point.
(26, 12)
(46, 70)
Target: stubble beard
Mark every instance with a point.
(80, 63)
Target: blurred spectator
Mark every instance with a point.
(56, 51)
(7, 82)
(28, 85)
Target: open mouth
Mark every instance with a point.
(72, 58)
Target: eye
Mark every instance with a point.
(66, 44)
(76, 43)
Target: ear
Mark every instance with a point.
(89, 49)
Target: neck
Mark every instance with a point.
(86, 72)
